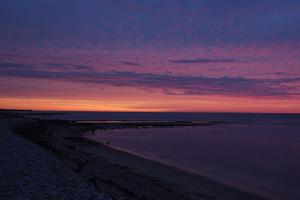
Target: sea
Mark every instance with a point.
(255, 152)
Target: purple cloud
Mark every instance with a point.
(142, 23)
(203, 60)
(187, 85)
(130, 63)
(14, 65)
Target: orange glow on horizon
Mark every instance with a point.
(166, 104)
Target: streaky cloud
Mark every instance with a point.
(130, 63)
(14, 65)
(181, 84)
(281, 73)
(203, 60)
(67, 65)
(15, 55)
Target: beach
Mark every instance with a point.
(149, 100)
(28, 171)
(118, 174)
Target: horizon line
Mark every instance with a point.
(95, 111)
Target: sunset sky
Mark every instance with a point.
(150, 55)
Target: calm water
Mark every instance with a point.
(258, 152)
(260, 158)
(233, 118)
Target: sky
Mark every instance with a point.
(150, 55)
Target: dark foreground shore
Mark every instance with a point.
(29, 172)
(118, 174)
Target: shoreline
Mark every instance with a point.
(177, 167)
(120, 174)
(29, 171)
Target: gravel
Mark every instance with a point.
(28, 171)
